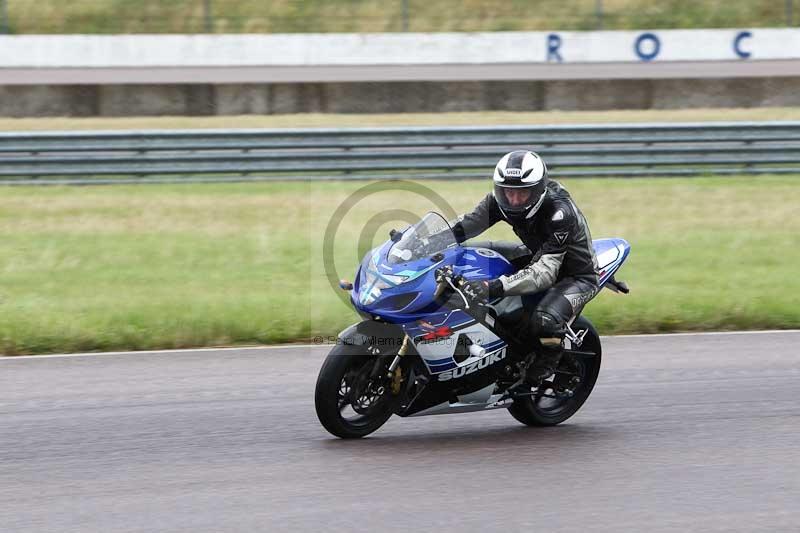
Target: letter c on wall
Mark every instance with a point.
(737, 44)
(656, 46)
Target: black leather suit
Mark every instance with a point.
(557, 267)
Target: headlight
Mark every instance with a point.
(374, 284)
(393, 281)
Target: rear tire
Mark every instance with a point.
(541, 411)
(343, 369)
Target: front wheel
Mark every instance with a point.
(560, 397)
(349, 403)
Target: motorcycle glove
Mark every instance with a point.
(483, 290)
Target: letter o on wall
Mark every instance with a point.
(644, 51)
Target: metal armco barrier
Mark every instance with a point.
(417, 153)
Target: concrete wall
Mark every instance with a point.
(237, 99)
(434, 57)
(343, 49)
(136, 75)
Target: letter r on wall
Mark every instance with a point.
(553, 44)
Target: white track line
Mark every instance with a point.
(285, 346)
(699, 333)
(155, 352)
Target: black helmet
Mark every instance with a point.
(520, 183)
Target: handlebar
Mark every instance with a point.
(445, 277)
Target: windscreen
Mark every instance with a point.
(430, 235)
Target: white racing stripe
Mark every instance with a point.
(306, 346)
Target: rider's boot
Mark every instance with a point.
(539, 366)
(547, 361)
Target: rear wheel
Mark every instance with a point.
(349, 403)
(561, 396)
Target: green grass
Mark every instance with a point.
(136, 267)
(256, 16)
(485, 118)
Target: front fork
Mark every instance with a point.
(386, 377)
(400, 353)
(395, 371)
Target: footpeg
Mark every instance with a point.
(576, 338)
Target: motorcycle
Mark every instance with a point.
(424, 348)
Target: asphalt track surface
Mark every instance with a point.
(682, 433)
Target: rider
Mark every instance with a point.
(563, 268)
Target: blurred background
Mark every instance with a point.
(371, 16)
(214, 141)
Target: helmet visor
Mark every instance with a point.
(518, 200)
(516, 197)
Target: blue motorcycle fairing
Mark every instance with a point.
(610, 253)
(401, 293)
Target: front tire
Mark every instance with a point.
(348, 404)
(540, 410)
